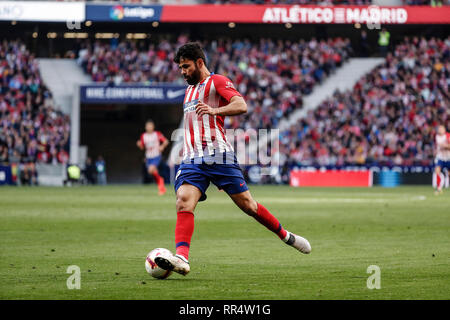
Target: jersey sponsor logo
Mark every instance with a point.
(190, 106)
(172, 94)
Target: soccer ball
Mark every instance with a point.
(152, 268)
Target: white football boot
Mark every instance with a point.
(177, 263)
(299, 243)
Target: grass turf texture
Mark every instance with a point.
(107, 232)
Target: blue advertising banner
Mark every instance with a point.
(132, 94)
(123, 13)
(5, 175)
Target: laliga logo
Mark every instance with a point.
(119, 12)
(116, 12)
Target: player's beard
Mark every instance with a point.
(194, 78)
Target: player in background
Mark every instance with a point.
(154, 143)
(208, 99)
(442, 160)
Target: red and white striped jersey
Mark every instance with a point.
(151, 143)
(205, 135)
(441, 153)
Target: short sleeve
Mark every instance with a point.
(225, 88)
(161, 137)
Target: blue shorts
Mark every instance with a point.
(226, 176)
(152, 161)
(441, 163)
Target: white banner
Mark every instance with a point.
(46, 11)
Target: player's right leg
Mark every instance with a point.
(440, 179)
(229, 177)
(187, 199)
(246, 203)
(153, 171)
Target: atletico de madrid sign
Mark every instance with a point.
(305, 14)
(372, 14)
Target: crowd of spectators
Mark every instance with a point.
(31, 129)
(272, 75)
(434, 3)
(389, 118)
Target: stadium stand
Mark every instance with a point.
(32, 130)
(300, 2)
(272, 75)
(389, 118)
(434, 3)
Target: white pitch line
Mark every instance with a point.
(343, 200)
(336, 200)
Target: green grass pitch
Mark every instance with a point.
(107, 232)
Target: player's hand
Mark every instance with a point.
(202, 108)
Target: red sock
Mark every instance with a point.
(183, 232)
(264, 217)
(158, 179)
(440, 181)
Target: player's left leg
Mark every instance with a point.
(246, 203)
(445, 175)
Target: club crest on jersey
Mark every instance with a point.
(201, 88)
(190, 106)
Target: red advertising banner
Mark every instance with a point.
(331, 178)
(306, 14)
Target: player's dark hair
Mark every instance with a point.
(149, 121)
(191, 51)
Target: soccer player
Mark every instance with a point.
(209, 157)
(442, 159)
(154, 143)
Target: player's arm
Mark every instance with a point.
(236, 106)
(140, 143)
(163, 145)
(446, 144)
(225, 88)
(443, 145)
(163, 142)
